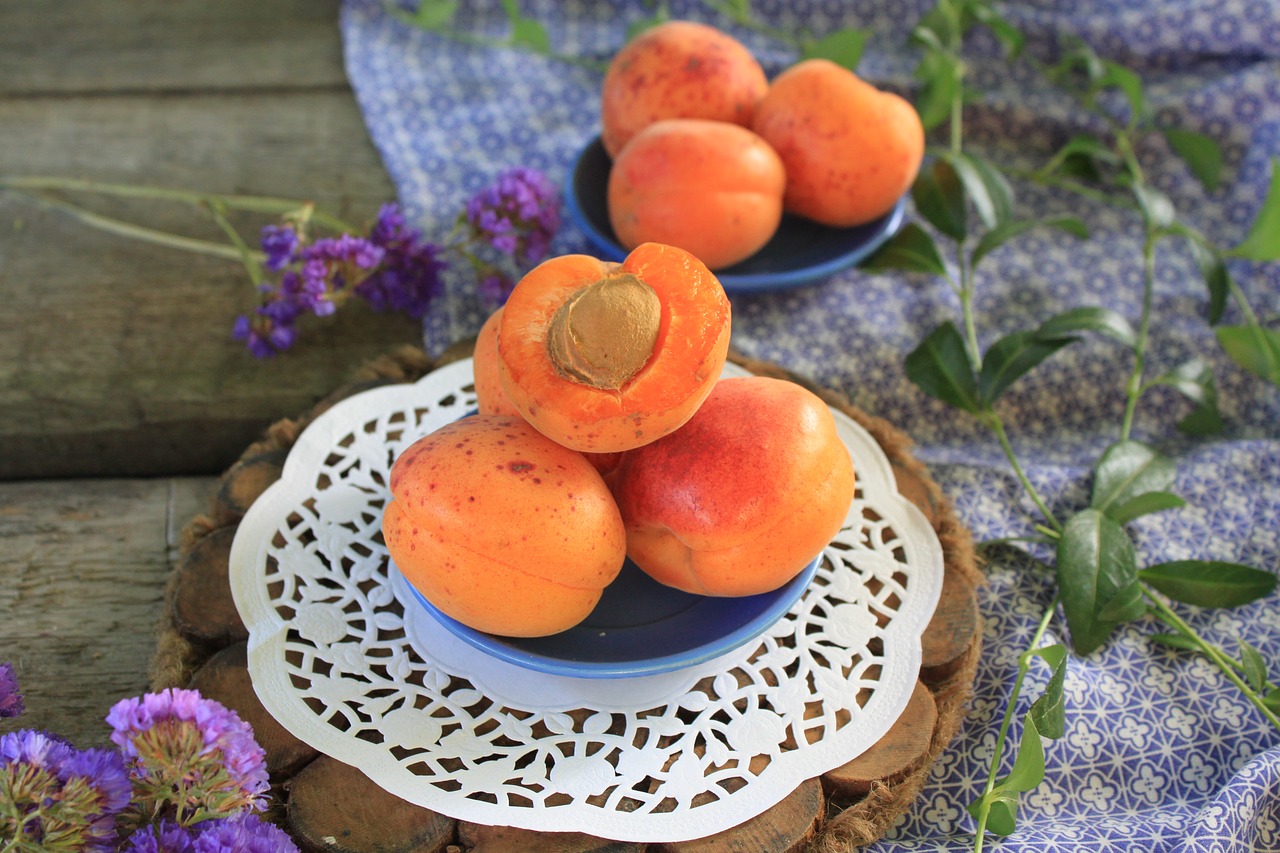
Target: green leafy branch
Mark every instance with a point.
(523, 31)
(1100, 585)
(843, 46)
(1108, 168)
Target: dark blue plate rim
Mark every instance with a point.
(775, 604)
(861, 241)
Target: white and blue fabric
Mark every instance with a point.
(1161, 752)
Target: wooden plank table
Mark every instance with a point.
(123, 396)
(122, 393)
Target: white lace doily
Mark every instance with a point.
(347, 661)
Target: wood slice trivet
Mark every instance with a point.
(329, 806)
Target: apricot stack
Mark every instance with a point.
(605, 431)
(707, 153)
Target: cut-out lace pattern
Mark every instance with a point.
(345, 658)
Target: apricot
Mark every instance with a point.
(678, 69)
(850, 150)
(604, 357)
(743, 496)
(710, 187)
(490, 398)
(501, 528)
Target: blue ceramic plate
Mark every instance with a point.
(641, 627)
(800, 253)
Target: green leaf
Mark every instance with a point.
(1194, 380)
(1104, 321)
(1263, 241)
(1175, 641)
(940, 367)
(529, 33)
(1253, 665)
(1077, 157)
(940, 77)
(1254, 348)
(1028, 766)
(939, 198)
(1002, 813)
(1209, 583)
(1127, 605)
(1217, 278)
(1156, 207)
(987, 188)
(1128, 469)
(935, 30)
(1049, 711)
(909, 250)
(1095, 565)
(843, 47)
(434, 14)
(1009, 359)
(1119, 77)
(1272, 699)
(1145, 504)
(1001, 234)
(1200, 152)
(1009, 36)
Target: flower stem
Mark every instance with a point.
(135, 232)
(249, 203)
(1220, 660)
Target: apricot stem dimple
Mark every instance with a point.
(605, 333)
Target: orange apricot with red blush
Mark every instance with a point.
(678, 69)
(713, 188)
(502, 528)
(604, 357)
(850, 150)
(742, 497)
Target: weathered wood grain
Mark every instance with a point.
(162, 45)
(116, 357)
(84, 565)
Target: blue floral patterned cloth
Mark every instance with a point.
(1161, 752)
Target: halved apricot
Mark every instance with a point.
(490, 398)
(605, 357)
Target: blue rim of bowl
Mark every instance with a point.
(769, 608)
(769, 269)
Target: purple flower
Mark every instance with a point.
(279, 242)
(168, 837)
(517, 214)
(60, 792)
(39, 749)
(11, 702)
(245, 833)
(178, 738)
(409, 276)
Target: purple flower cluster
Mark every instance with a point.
(517, 214)
(186, 767)
(179, 738)
(245, 833)
(11, 703)
(59, 797)
(393, 269)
